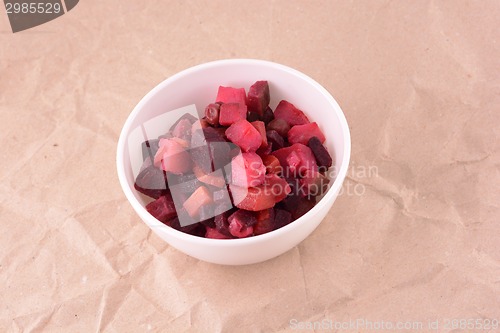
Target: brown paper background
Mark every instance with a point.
(415, 239)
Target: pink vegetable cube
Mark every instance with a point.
(302, 133)
(172, 157)
(199, 198)
(296, 159)
(313, 183)
(288, 112)
(231, 95)
(258, 97)
(247, 170)
(163, 208)
(261, 127)
(244, 135)
(183, 129)
(241, 222)
(231, 113)
(213, 178)
(261, 197)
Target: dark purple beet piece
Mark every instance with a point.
(323, 158)
(183, 184)
(280, 126)
(195, 229)
(152, 182)
(268, 116)
(281, 218)
(149, 148)
(212, 112)
(163, 208)
(245, 217)
(297, 205)
(252, 116)
(222, 224)
(275, 139)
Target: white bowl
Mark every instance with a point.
(198, 85)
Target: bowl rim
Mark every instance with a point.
(328, 196)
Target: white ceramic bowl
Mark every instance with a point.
(198, 85)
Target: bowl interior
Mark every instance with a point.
(198, 86)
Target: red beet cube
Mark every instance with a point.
(261, 127)
(258, 97)
(296, 159)
(272, 164)
(277, 186)
(247, 170)
(313, 183)
(302, 133)
(231, 95)
(163, 208)
(172, 156)
(275, 140)
(215, 234)
(244, 135)
(288, 112)
(268, 115)
(201, 196)
(231, 113)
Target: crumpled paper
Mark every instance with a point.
(413, 237)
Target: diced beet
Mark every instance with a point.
(258, 97)
(260, 197)
(239, 230)
(231, 113)
(278, 186)
(149, 148)
(231, 95)
(182, 130)
(163, 208)
(252, 116)
(215, 234)
(246, 217)
(152, 182)
(272, 164)
(302, 133)
(268, 115)
(264, 151)
(222, 224)
(215, 178)
(244, 135)
(241, 222)
(201, 157)
(185, 183)
(280, 126)
(188, 116)
(265, 222)
(275, 140)
(171, 156)
(313, 183)
(288, 112)
(261, 127)
(281, 218)
(252, 198)
(247, 170)
(296, 159)
(201, 196)
(212, 112)
(298, 205)
(195, 229)
(322, 156)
